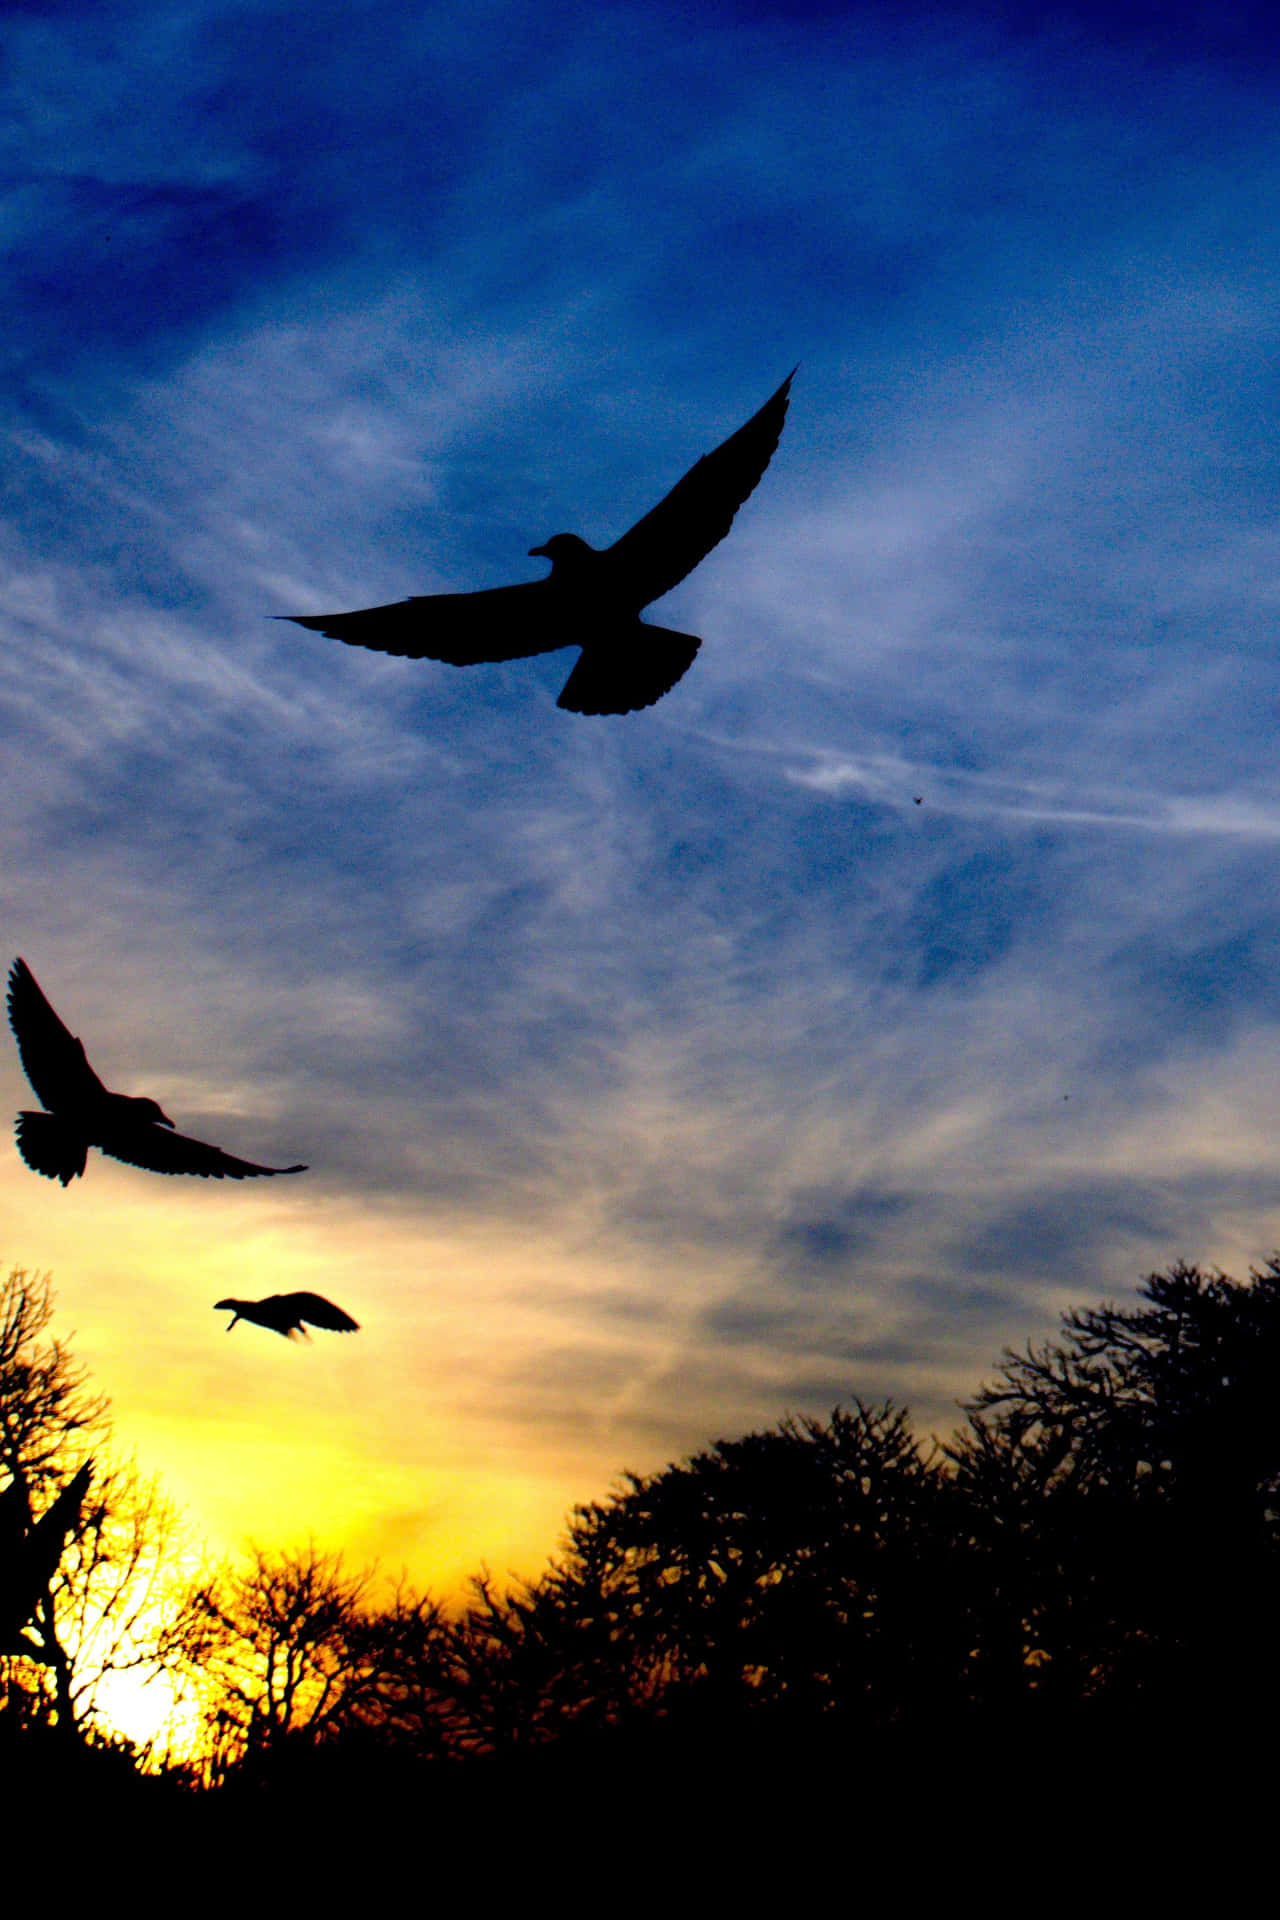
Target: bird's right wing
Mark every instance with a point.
(313, 1307)
(657, 553)
(161, 1151)
(498, 623)
(53, 1059)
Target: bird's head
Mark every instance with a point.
(564, 550)
(150, 1110)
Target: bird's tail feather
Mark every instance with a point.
(49, 1146)
(623, 676)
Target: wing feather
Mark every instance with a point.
(314, 1308)
(52, 1146)
(159, 1150)
(658, 552)
(52, 1058)
(464, 629)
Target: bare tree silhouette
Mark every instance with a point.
(97, 1612)
(289, 1654)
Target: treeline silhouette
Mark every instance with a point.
(1087, 1567)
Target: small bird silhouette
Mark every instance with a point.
(83, 1113)
(285, 1312)
(591, 598)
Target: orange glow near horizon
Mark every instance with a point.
(417, 1444)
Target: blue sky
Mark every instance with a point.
(658, 1075)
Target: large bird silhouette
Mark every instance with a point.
(82, 1113)
(591, 598)
(285, 1312)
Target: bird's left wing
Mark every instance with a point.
(657, 553)
(319, 1312)
(53, 1059)
(498, 623)
(161, 1151)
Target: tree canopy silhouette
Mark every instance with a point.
(1100, 1538)
(93, 1612)
(1123, 1483)
(795, 1568)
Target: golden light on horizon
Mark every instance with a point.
(453, 1433)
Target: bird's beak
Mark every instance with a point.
(165, 1121)
(539, 550)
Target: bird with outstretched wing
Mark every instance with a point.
(592, 598)
(82, 1113)
(285, 1312)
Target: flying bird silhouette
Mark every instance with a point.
(82, 1113)
(285, 1312)
(592, 598)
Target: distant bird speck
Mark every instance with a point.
(82, 1113)
(285, 1312)
(919, 799)
(592, 598)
